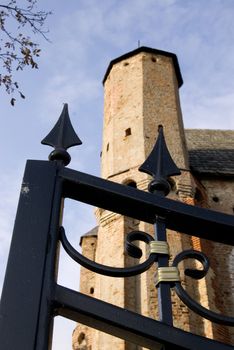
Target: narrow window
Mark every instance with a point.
(81, 338)
(91, 290)
(107, 147)
(128, 132)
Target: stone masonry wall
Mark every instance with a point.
(220, 197)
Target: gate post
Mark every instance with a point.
(31, 243)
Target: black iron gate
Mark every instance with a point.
(31, 297)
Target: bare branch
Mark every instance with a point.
(18, 50)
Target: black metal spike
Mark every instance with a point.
(61, 137)
(160, 165)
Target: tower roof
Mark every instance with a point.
(92, 233)
(211, 152)
(148, 50)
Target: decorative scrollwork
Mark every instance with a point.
(198, 274)
(136, 252)
(132, 250)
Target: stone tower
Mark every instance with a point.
(141, 92)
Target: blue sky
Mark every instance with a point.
(85, 35)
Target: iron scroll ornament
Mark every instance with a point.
(113, 271)
(198, 274)
(136, 252)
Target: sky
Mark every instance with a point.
(85, 35)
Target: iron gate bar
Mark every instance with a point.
(22, 289)
(164, 289)
(161, 166)
(126, 324)
(45, 322)
(128, 201)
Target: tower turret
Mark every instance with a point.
(140, 93)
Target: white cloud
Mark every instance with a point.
(67, 88)
(212, 112)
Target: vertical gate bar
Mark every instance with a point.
(46, 315)
(61, 137)
(164, 291)
(161, 166)
(22, 290)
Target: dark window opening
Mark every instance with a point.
(107, 147)
(153, 59)
(81, 337)
(215, 199)
(132, 184)
(126, 64)
(172, 183)
(198, 196)
(91, 290)
(128, 132)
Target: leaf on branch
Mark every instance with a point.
(13, 101)
(21, 95)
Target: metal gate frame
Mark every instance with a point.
(31, 297)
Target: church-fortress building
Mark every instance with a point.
(141, 92)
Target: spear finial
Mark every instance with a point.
(160, 166)
(61, 137)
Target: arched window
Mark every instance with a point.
(130, 183)
(82, 344)
(81, 338)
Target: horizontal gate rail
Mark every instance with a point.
(199, 222)
(126, 324)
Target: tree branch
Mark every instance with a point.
(19, 50)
